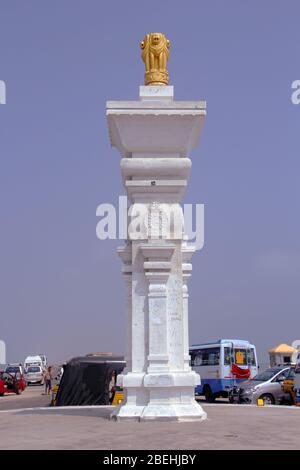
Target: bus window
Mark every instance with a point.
(193, 355)
(240, 357)
(198, 361)
(214, 357)
(206, 357)
(252, 357)
(227, 359)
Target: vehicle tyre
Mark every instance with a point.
(209, 396)
(18, 391)
(1, 394)
(268, 399)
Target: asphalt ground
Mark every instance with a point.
(31, 397)
(227, 427)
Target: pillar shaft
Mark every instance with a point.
(154, 136)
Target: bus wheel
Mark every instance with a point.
(268, 399)
(209, 396)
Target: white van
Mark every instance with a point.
(33, 361)
(44, 360)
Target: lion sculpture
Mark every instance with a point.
(155, 54)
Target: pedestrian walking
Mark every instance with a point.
(48, 379)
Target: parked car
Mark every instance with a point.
(18, 372)
(11, 383)
(34, 375)
(266, 386)
(14, 369)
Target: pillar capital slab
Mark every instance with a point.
(176, 125)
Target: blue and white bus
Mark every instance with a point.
(221, 365)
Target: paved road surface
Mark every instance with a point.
(31, 397)
(227, 427)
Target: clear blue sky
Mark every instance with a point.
(61, 290)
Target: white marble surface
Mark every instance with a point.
(156, 93)
(154, 136)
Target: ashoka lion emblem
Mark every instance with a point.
(155, 54)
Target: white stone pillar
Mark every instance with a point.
(187, 253)
(158, 358)
(126, 256)
(157, 267)
(154, 136)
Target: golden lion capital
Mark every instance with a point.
(155, 54)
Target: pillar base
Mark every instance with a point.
(173, 412)
(159, 412)
(157, 396)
